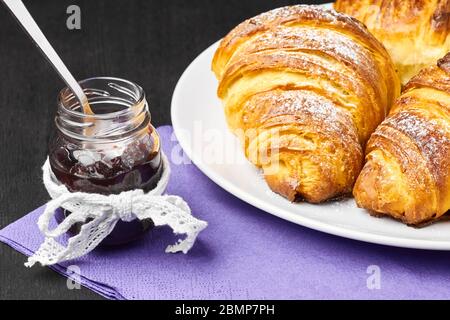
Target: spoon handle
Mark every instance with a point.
(29, 25)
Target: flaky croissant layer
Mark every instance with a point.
(407, 175)
(415, 32)
(311, 85)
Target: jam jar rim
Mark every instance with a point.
(140, 92)
(68, 120)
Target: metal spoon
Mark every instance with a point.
(24, 17)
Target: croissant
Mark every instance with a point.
(415, 32)
(407, 175)
(303, 88)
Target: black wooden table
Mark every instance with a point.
(149, 42)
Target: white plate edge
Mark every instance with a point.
(433, 245)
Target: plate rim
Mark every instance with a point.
(402, 242)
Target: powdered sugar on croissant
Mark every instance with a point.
(407, 175)
(307, 86)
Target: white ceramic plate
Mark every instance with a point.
(200, 127)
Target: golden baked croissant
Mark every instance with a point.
(415, 32)
(304, 88)
(407, 175)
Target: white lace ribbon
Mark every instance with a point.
(103, 213)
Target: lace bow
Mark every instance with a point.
(99, 215)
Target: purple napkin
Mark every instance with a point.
(246, 253)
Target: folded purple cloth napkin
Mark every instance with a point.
(245, 254)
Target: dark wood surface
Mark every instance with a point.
(149, 42)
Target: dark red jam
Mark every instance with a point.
(107, 173)
(137, 165)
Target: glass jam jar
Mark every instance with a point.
(115, 149)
